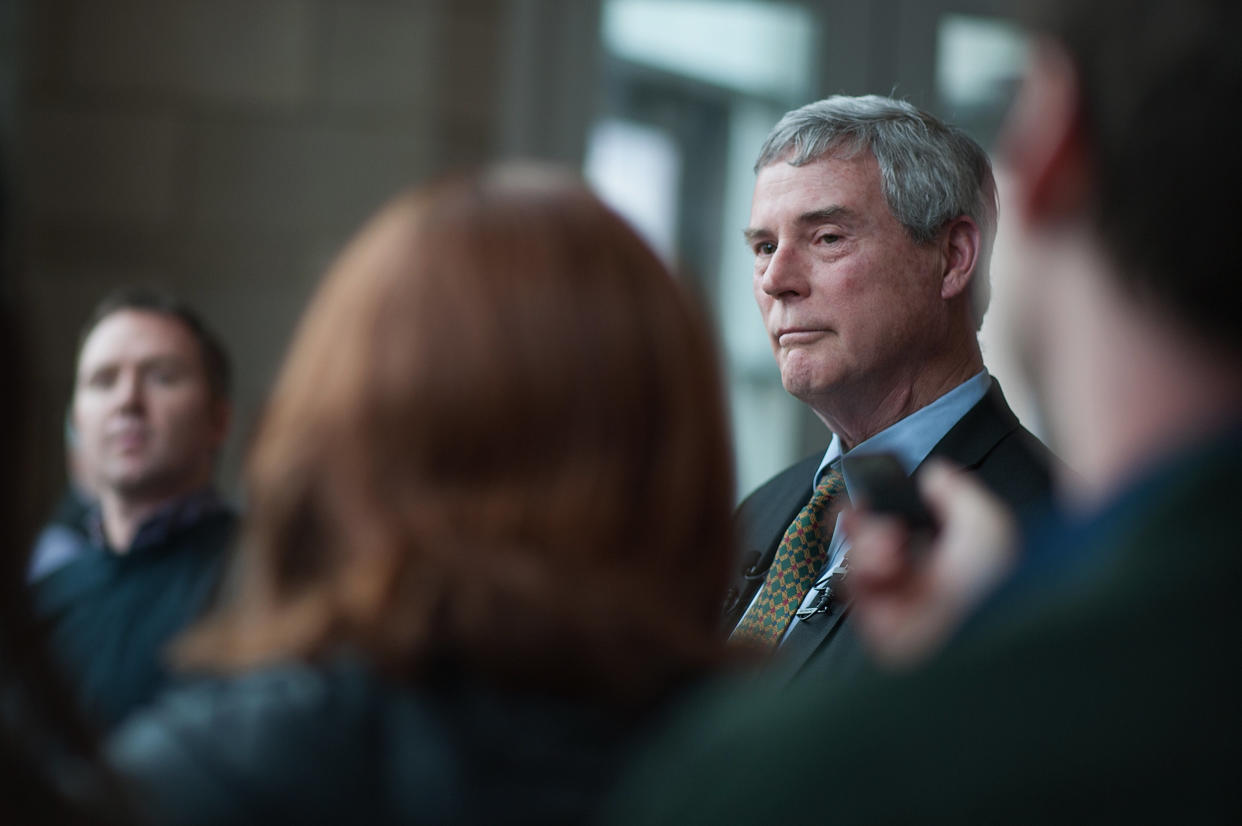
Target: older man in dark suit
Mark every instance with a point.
(871, 225)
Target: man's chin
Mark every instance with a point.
(137, 483)
(802, 387)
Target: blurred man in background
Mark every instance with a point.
(151, 411)
(1104, 685)
(872, 226)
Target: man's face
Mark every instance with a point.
(143, 409)
(850, 302)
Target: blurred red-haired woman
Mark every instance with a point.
(490, 528)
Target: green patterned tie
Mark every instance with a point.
(797, 563)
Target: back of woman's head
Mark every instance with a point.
(498, 440)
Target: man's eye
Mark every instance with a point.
(101, 379)
(166, 375)
(765, 248)
(829, 238)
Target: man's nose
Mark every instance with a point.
(130, 392)
(784, 276)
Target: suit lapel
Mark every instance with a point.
(982, 428)
(967, 444)
(764, 517)
(806, 637)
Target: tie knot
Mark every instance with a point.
(831, 484)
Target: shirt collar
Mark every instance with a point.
(171, 518)
(912, 438)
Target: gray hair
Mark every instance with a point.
(930, 172)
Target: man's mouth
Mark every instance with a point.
(789, 336)
(128, 440)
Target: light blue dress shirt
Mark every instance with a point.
(910, 440)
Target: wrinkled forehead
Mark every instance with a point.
(133, 336)
(829, 180)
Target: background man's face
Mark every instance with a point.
(143, 408)
(848, 299)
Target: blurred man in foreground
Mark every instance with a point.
(151, 410)
(1105, 684)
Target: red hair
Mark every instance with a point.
(498, 438)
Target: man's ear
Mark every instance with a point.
(960, 247)
(1042, 142)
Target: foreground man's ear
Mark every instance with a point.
(1042, 142)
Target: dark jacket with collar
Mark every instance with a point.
(110, 616)
(987, 440)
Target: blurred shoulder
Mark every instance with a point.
(286, 741)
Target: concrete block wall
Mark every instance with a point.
(226, 148)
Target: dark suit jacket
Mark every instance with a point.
(988, 440)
